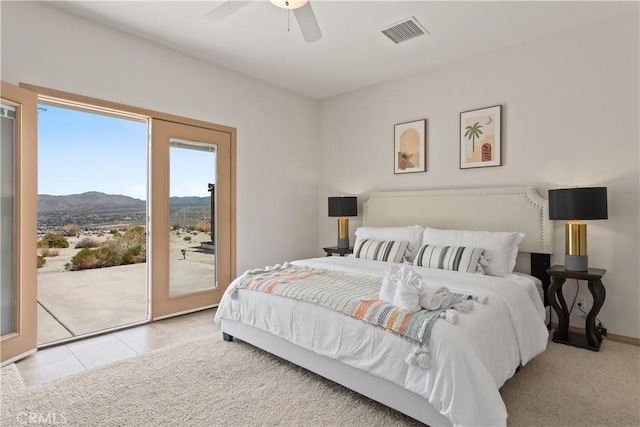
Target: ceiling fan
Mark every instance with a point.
(301, 9)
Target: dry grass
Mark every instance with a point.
(134, 237)
(71, 230)
(204, 227)
(46, 251)
(87, 242)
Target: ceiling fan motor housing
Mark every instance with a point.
(289, 4)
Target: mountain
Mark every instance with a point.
(94, 201)
(188, 202)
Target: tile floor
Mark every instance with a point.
(68, 359)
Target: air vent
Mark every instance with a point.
(404, 30)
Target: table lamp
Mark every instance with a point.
(342, 207)
(574, 204)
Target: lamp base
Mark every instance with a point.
(343, 243)
(343, 233)
(576, 262)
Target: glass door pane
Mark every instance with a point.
(7, 238)
(192, 172)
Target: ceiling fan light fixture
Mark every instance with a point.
(289, 4)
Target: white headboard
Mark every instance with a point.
(493, 209)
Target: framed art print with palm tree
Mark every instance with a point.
(481, 138)
(410, 147)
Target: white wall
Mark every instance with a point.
(570, 118)
(277, 211)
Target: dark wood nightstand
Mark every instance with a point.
(593, 337)
(331, 250)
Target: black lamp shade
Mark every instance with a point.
(572, 204)
(343, 206)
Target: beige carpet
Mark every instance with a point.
(209, 382)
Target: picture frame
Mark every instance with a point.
(410, 147)
(481, 138)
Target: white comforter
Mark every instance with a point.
(471, 359)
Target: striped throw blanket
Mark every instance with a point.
(351, 294)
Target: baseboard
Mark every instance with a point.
(623, 339)
(613, 337)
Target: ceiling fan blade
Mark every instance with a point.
(226, 9)
(308, 23)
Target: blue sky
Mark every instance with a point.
(80, 152)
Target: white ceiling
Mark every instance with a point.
(352, 53)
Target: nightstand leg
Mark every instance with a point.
(556, 299)
(594, 337)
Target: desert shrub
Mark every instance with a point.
(191, 228)
(187, 238)
(176, 226)
(123, 248)
(133, 255)
(87, 242)
(134, 237)
(115, 232)
(100, 234)
(71, 230)
(94, 258)
(205, 227)
(41, 261)
(52, 240)
(46, 251)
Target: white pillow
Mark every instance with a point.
(411, 234)
(501, 247)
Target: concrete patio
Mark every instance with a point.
(72, 303)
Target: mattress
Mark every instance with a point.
(471, 359)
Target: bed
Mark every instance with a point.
(471, 359)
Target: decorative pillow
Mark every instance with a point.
(501, 248)
(381, 250)
(411, 234)
(457, 258)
